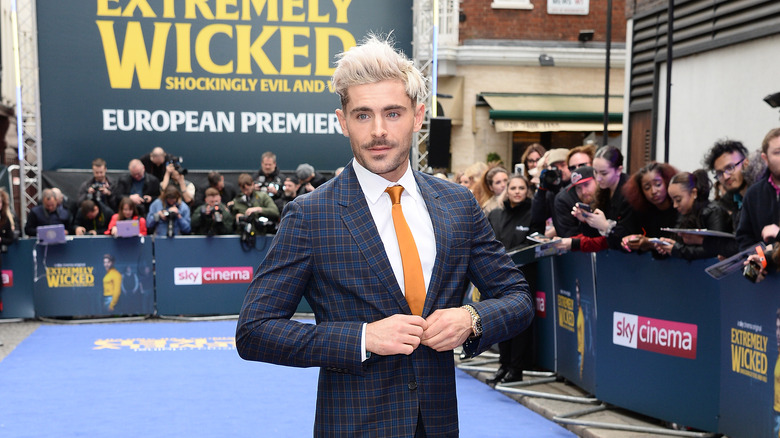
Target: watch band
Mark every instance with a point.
(476, 321)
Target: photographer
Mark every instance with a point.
(92, 218)
(252, 205)
(155, 162)
(174, 174)
(554, 176)
(267, 178)
(168, 215)
(213, 217)
(99, 187)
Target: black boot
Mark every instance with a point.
(512, 376)
(502, 371)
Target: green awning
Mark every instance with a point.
(553, 112)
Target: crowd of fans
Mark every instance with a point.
(580, 196)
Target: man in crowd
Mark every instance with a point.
(155, 162)
(139, 186)
(289, 192)
(99, 187)
(726, 160)
(216, 180)
(92, 218)
(760, 217)
(309, 178)
(253, 205)
(268, 179)
(213, 217)
(565, 224)
(48, 212)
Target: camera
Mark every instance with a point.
(262, 183)
(250, 226)
(550, 179)
(176, 161)
(165, 214)
(214, 212)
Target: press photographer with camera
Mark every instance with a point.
(213, 217)
(253, 208)
(98, 188)
(168, 215)
(267, 178)
(174, 174)
(156, 161)
(554, 176)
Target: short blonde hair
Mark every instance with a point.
(376, 60)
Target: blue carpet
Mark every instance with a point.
(185, 379)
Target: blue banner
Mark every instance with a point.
(17, 275)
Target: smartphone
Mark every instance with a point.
(584, 207)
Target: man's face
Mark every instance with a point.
(99, 173)
(157, 156)
(247, 189)
(221, 183)
(50, 204)
(560, 165)
(728, 170)
(578, 160)
(772, 158)
(137, 172)
(93, 214)
(290, 188)
(107, 263)
(213, 200)
(268, 165)
(586, 191)
(379, 121)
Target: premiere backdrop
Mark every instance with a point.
(217, 82)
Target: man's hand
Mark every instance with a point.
(80, 231)
(137, 199)
(447, 329)
(397, 334)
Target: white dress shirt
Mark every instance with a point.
(415, 213)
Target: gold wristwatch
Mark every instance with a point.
(476, 321)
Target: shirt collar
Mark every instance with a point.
(374, 185)
(772, 183)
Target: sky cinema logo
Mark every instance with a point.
(657, 335)
(219, 275)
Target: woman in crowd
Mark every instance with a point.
(690, 193)
(531, 156)
(647, 193)
(7, 230)
(127, 210)
(168, 214)
(492, 187)
(511, 225)
(612, 214)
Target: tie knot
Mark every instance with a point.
(395, 193)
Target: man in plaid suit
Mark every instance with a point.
(384, 372)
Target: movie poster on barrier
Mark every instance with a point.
(215, 82)
(575, 301)
(94, 276)
(750, 370)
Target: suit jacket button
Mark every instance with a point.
(412, 385)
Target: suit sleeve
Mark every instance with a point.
(506, 308)
(265, 331)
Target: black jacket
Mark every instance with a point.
(512, 224)
(760, 207)
(713, 218)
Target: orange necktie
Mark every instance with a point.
(414, 281)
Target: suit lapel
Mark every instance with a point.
(360, 224)
(442, 233)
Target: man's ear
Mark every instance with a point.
(342, 121)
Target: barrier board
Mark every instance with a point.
(658, 346)
(575, 302)
(94, 276)
(750, 360)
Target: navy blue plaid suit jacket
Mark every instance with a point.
(328, 250)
